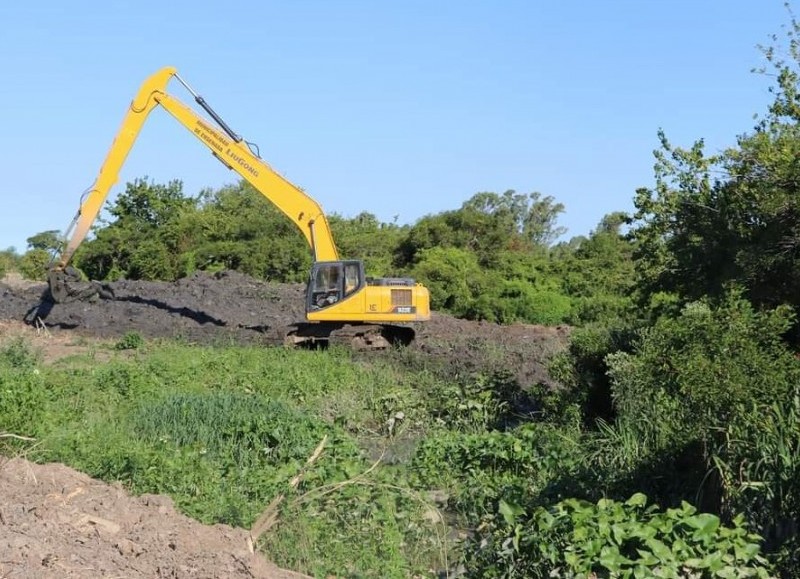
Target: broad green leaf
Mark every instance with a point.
(637, 500)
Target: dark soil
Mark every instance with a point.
(202, 308)
(230, 307)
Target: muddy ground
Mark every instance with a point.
(230, 307)
(55, 522)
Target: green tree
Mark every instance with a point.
(141, 241)
(237, 228)
(150, 205)
(34, 264)
(365, 237)
(598, 272)
(8, 260)
(453, 276)
(717, 221)
(486, 224)
(48, 240)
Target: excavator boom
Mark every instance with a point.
(230, 149)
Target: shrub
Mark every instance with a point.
(575, 538)
(34, 264)
(689, 375)
(479, 469)
(720, 382)
(520, 301)
(584, 368)
(8, 261)
(759, 466)
(22, 393)
(130, 341)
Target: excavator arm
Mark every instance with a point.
(226, 145)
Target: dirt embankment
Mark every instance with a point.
(201, 308)
(58, 523)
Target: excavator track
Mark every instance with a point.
(354, 336)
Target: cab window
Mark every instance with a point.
(351, 278)
(327, 285)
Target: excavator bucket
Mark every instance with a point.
(67, 285)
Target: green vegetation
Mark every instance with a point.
(618, 539)
(8, 261)
(224, 430)
(413, 457)
(671, 447)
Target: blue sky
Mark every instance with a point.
(397, 108)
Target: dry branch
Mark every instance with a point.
(270, 515)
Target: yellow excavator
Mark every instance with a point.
(341, 302)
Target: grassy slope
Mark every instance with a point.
(223, 430)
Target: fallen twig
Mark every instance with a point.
(16, 436)
(270, 515)
(41, 325)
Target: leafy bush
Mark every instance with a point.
(453, 276)
(8, 261)
(22, 393)
(130, 341)
(720, 383)
(759, 465)
(575, 538)
(34, 264)
(520, 301)
(17, 354)
(689, 375)
(477, 402)
(584, 370)
(599, 309)
(479, 469)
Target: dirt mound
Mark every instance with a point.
(229, 307)
(522, 350)
(58, 523)
(202, 308)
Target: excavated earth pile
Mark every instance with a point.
(229, 307)
(202, 308)
(58, 523)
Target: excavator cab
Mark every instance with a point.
(343, 305)
(333, 281)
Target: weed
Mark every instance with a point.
(618, 539)
(18, 354)
(130, 341)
